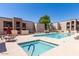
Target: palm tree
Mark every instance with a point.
(46, 21)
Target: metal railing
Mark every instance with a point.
(33, 48)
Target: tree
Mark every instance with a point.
(46, 21)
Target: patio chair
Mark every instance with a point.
(2, 35)
(10, 38)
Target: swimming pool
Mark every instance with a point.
(53, 35)
(37, 47)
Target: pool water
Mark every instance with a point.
(53, 35)
(35, 48)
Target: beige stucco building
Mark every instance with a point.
(16, 24)
(25, 27)
(39, 27)
(69, 25)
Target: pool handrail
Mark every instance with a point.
(33, 48)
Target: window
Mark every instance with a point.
(72, 28)
(68, 27)
(17, 24)
(77, 28)
(7, 23)
(23, 26)
(77, 22)
(72, 22)
(68, 23)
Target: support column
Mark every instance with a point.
(13, 24)
(70, 26)
(1, 25)
(75, 25)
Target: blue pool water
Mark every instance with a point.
(53, 35)
(35, 48)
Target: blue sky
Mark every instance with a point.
(33, 12)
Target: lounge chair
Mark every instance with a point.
(2, 35)
(10, 38)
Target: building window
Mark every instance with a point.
(68, 23)
(72, 28)
(72, 22)
(7, 23)
(68, 27)
(17, 24)
(78, 22)
(77, 25)
(23, 26)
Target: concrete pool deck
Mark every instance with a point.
(13, 50)
(68, 46)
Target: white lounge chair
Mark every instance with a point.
(10, 38)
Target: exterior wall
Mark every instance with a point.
(77, 25)
(16, 27)
(1, 25)
(35, 27)
(72, 25)
(14, 32)
(64, 25)
(24, 32)
(53, 27)
(2, 19)
(29, 24)
(40, 27)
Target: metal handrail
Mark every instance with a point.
(33, 48)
